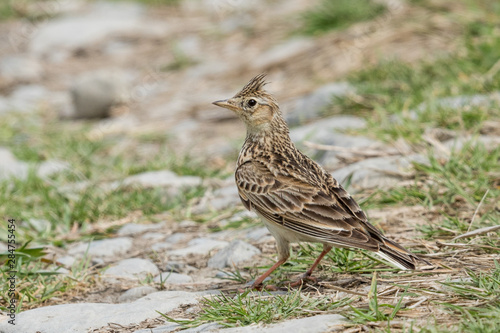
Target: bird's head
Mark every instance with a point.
(255, 106)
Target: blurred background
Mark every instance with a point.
(106, 116)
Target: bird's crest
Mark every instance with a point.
(253, 86)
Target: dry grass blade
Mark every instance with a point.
(478, 246)
(478, 232)
(475, 212)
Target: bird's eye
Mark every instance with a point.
(252, 102)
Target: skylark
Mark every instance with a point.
(295, 197)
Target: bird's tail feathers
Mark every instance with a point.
(397, 255)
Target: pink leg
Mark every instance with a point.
(307, 275)
(258, 283)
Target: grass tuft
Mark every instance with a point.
(337, 14)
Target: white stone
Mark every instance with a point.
(380, 172)
(283, 52)
(136, 293)
(20, 67)
(131, 229)
(84, 317)
(94, 93)
(311, 106)
(133, 268)
(199, 246)
(52, 167)
(105, 249)
(163, 178)
(233, 254)
(315, 324)
(319, 131)
(81, 30)
(173, 278)
(10, 167)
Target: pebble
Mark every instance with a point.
(320, 131)
(232, 255)
(132, 229)
(136, 293)
(160, 247)
(173, 278)
(220, 199)
(153, 236)
(259, 235)
(133, 268)
(199, 246)
(11, 167)
(378, 172)
(311, 106)
(95, 93)
(20, 67)
(67, 261)
(176, 238)
(105, 249)
(40, 225)
(315, 324)
(84, 317)
(283, 52)
(81, 30)
(163, 178)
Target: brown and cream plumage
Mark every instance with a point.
(296, 198)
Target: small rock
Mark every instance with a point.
(233, 254)
(172, 327)
(95, 93)
(136, 293)
(188, 224)
(132, 229)
(153, 236)
(457, 144)
(380, 172)
(133, 268)
(311, 106)
(81, 30)
(220, 199)
(27, 98)
(456, 102)
(52, 167)
(10, 167)
(199, 246)
(176, 238)
(3, 247)
(173, 278)
(67, 261)
(283, 52)
(40, 225)
(106, 248)
(175, 266)
(20, 67)
(320, 131)
(84, 317)
(208, 327)
(163, 178)
(315, 324)
(259, 235)
(160, 247)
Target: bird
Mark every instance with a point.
(295, 197)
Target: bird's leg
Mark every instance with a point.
(307, 275)
(258, 283)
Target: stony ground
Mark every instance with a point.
(118, 170)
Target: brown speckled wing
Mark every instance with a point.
(331, 217)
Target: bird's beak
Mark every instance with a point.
(226, 103)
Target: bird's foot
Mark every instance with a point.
(302, 280)
(259, 287)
